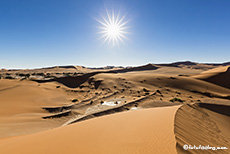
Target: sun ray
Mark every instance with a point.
(113, 28)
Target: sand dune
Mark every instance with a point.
(129, 132)
(219, 76)
(203, 124)
(21, 104)
(75, 109)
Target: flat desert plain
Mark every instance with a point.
(150, 109)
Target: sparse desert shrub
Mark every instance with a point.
(9, 77)
(81, 86)
(67, 74)
(74, 100)
(176, 100)
(172, 78)
(40, 74)
(183, 75)
(145, 90)
(48, 75)
(27, 75)
(24, 75)
(21, 74)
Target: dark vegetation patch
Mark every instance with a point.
(176, 100)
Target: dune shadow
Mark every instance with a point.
(221, 109)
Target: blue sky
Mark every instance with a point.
(40, 33)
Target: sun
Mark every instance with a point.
(113, 28)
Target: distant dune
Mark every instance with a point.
(154, 108)
(219, 76)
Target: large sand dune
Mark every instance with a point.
(203, 124)
(74, 109)
(219, 76)
(21, 104)
(143, 131)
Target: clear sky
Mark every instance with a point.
(40, 33)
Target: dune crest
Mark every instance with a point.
(203, 124)
(219, 76)
(130, 132)
(114, 109)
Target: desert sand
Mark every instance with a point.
(138, 131)
(203, 124)
(145, 109)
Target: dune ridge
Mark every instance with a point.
(105, 110)
(203, 124)
(219, 76)
(129, 132)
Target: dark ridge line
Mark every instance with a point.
(76, 81)
(9, 88)
(117, 109)
(211, 95)
(219, 108)
(59, 115)
(58, 108)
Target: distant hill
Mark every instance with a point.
(151, 66)
(219, 76)
(190, 63)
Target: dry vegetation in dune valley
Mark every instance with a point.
(150, 109)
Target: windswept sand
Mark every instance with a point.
(219, 76)
(203, 124)
(73, 109)
(143, 131)
(21, 105)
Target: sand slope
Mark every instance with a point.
(143, 131)
(50, 101)
(203, 124)
(219, 76)
(21, 104)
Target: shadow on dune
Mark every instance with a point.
(76, 81)
(221, 109)
(219, 76)
(202, 124)
(71, 81)
(139, 68)
(221, 79)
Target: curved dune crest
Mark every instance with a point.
(141, 131)
(219, 69)
(219, 76)
(202, 124)
(58, 99)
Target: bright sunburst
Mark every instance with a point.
(113, 28)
